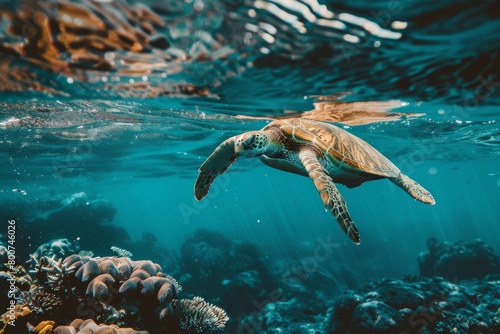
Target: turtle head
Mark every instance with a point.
(251, 144)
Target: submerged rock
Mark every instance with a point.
(59, 248)
(430, 305)
(224, 269)
(425, 306)
(375, 317)
(458, 260)
(292, 316)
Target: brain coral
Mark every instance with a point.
(79, 326)
(116, 292)
(121, 291)
(123, 284)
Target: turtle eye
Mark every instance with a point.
(250, 140)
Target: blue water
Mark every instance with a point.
(99, 132)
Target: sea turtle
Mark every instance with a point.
(324, 152)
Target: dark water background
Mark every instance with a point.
(140, 148)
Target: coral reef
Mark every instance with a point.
(68, 224)
(113, 291)
(44, 327)
(79, 326)
(15, 320)
(385, 307)
(196, 315)
(206, 253)
(118, 287)
(291, 316)
(459, 260)
(427, 306)
(71, 222)
(410, 305)
(13, 282)
(40, 300)
(210, 260)
(121, 252)
(75, 217)
(59, 248)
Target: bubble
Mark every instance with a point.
(70, 80)
(399, 25)
(104, 79)
(144, 78)
(258, 221)
(351, 38)
(198, 5)
(109, 56)
(377, 44)
(441, 111)
(433, 170)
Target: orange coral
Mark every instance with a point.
(45, 327)
(20, 315)
(89, 326)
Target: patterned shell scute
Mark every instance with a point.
(338, 144)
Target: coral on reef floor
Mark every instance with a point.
(411, 305)
(64, 292)
(459, 260)
(389, 306)
(115, 291)
(80, 326)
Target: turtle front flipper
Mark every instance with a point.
(330, 195)
(216, 164)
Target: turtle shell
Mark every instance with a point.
(338, 145)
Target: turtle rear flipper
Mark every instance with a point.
(330, 195)
(216, 164)
(414, 189)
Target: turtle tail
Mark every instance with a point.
(414, 189)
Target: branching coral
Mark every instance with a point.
(51, 272)
(121, 252)
(199, 316)
(39, 300)
(57, 247)
(174, 282)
